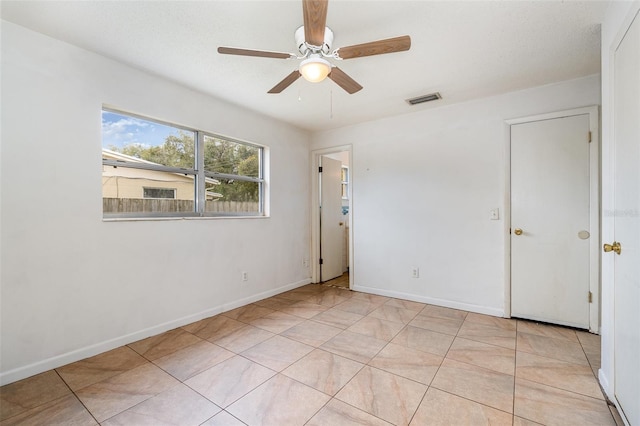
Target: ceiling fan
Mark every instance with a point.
(314, 40)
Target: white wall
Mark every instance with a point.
(423, 186)
(74, 285)
(616, 21)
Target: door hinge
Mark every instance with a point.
(321, 261)
(590, 297)
(320, 169)
(589, 136)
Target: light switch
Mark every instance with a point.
(495, 214)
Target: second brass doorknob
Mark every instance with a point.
(517, 231)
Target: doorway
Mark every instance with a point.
(554, 230)
(331, 250)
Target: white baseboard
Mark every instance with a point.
(479, 309)
(98, 348)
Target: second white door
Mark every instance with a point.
(550, 226)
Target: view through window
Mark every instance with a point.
(151, 169)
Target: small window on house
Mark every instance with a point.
(344, 176)
(151, 168)
(167, 193)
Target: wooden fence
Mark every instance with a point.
(146, 205)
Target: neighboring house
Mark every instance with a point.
(127, 182)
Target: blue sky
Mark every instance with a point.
(121, 130)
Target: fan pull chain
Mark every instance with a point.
(331, 104)
(299, 96)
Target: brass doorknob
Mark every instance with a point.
(517, 231)
(615, 247)
(341, 223)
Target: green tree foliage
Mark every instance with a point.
(220, 156)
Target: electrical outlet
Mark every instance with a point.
(245, 276)
(305, 263)
(415, 272)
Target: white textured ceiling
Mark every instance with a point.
(464, 50)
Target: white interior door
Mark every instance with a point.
(332, 226)
(627, 223)
(550, 220)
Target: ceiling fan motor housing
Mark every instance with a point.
(304, 48)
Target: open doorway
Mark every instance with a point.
(331, 216)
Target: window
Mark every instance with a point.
(152, 169)
(344, 177)
(158, 193)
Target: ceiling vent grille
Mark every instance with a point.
(426, 98)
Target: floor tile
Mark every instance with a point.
(552, 406)
(275, 302)
(163, 344)
(357, 347)
(279, 401)
(20, 396)
(214, 328)
(223, 419)
(376, 327)
(229, 380)
(66, 410)
(445, 409)
(442, 312)
(559, 374)
(547, 330)
(563, 350)
(373, 298)
(112, 396)
(193, 359)
(100, 367)
(304, 309)
(337, 318)
(243, 338)
(179, 405)
(488, 320)
(406, 362)
(486, 333)
(519, 421)
(337, 413)
(277, 322)
(394, 313)
(477, 384)
(311, 333)
(358, 306)
(277, 353)
(406, 304)
(385, 395)
(424, 340)
(324, 371)
(439, 324)
(492, 357)
(329, 299)
(248, 313)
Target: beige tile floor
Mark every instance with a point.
(321, 355)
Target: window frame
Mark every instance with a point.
(200, 175)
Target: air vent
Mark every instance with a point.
(425, 98)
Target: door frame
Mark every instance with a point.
(315, 210)
(594, 207)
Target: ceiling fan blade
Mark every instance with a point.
(286, 82)
(389, 45)
(315, 20)
(344, 81)
(248, 52)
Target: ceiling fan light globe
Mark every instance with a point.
(315, 70)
